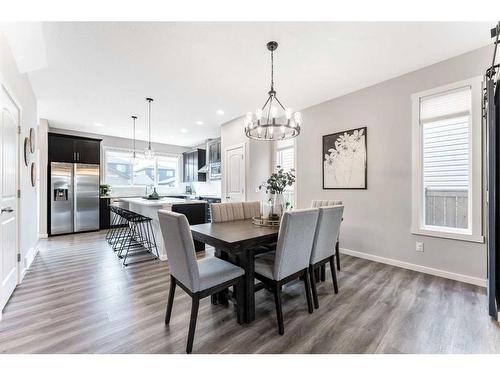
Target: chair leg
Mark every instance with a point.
(279, 311)
(240, 301)
(308, 291)
(334, 275)
(313, 287)
(323, 272)
(192, 323)
(337, 255)
(170, 302)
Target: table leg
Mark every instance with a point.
(222, 296)
(247, 263)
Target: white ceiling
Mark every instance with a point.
(100, 73)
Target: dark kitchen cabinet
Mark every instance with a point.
(72, 149)
(192, 162)
(214, 151)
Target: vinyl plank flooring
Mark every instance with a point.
(78, 298)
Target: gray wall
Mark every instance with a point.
(377, 220)
(21, 89)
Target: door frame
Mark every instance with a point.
(4, 86)
(224, 171)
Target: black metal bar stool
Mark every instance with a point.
(138, 237)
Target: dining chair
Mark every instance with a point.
(291, 258)
(251, 209)
(199, 279)
(327, 231)
(222, 212)
(325, 203)
(231, 211)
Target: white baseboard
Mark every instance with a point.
(163, 257)
(43, 235)
(28, 260)
(416, 267)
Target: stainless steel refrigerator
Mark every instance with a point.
(74, 201)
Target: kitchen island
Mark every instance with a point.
(193, 209)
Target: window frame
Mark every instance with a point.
(474, 231)
(156, 185)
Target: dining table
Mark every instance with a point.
(236, 241)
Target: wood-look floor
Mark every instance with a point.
(77, 298)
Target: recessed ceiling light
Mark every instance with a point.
(220, 112)
(184, 130)
(199, 122)
(98, 124)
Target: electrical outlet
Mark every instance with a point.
(419, 246)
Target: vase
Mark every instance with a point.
(277, 203)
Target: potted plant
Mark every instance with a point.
(104, 190)
(274, 186)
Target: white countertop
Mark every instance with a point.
(160, 202)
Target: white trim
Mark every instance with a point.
(416, 267)
(28, 261)
(474, 233)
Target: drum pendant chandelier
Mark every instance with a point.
(272, 122)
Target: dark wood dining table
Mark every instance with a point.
(236, 242)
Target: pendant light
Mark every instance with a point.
(149, 153)
(134, 155)
(268, 124)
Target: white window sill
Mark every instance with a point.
(448, 235)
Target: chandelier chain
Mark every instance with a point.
(272, 70)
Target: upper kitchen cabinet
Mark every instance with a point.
(213, 148)
(192, 162)
(72, 149)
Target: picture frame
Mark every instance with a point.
(33, 174)
(32, 140)
(345, 160)
(26, 151)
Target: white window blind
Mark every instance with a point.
(285, 158)
(446, 145)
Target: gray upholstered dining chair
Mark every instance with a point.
(327, 232)
(199, 279)
(326, 203)
(291, 258)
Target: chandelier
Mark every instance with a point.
(272, 122)
(148, 152)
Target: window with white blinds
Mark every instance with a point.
(446, 135)
(285, 157)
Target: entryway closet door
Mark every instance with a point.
(235, 173)
(8, 196)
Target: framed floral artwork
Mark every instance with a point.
(344, 160)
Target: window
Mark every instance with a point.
(167, 170)
(285, 157)
(118, 168)
(447, 161)
(120, 171)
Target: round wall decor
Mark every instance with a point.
(32, 140)
(26, 151)
(33, 174)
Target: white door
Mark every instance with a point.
(8, 197)
(235, 173)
